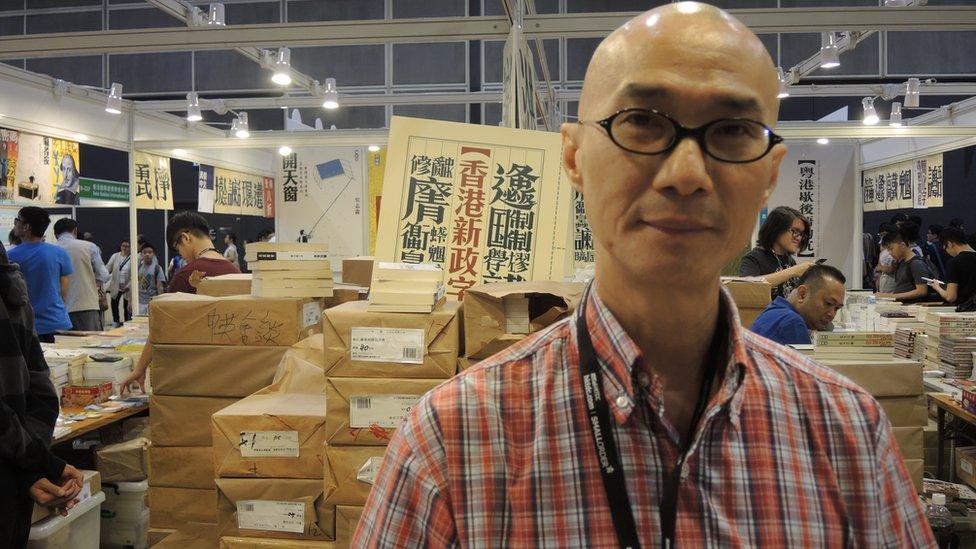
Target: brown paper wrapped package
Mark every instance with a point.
(189, 536)
(319, 517)
(909, 411)
(915, 472)
(751, 296)
(347, 518)
(232, 320)
(213, 370)
(301, 413)
(441, 339)
(339, 390)
(909, 440)
(886, 377)
(311, 349)
(344, 484)
(234, 542)
(181, 467)
(296, 375)
(123, 462)
(344, 293)
(484, 312)
(174, 507)
(358, 270)
(224, 285)
(183, 421)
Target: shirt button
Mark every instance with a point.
(623, 401)
(685, 471)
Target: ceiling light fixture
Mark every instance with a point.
(870, 114)
(373, 148)
(193, 113)
(823, 141)
(284, 150)
(329, 94)
(895, 118)
(829, 53)
(239, 126)
(784, 83)
(282, 67)
(113, 104)
(215, 17)
(912, 94)
(179, 152)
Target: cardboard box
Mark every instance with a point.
(380, 405)
(281, 498)
(190, 536)
(232, 320)
(347, 518)
(93, 479)
(86, 393)
(224, 285)
(183, 421)
(916, 468)
(464, 363)
(485, 323)
(882, 376)
(182, 467)
(905, 411)
(358, 270)
(311, 348)
(174, 507)
(750, 294)
(966, 464)
(157, 535)
(350, 472)
(909, 441)
(359, 343)
(213, 370)
(270, 436)
(123, 462)
(233, 542)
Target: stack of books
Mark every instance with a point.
(956, 356)
(845, 345)
(406, 288)
(67, 366)
(905, 341)
(939, 325)
(289, 269)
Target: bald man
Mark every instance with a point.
(651, 417)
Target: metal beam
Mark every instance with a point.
(452, 29)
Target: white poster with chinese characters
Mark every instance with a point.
(869, 202)
(929, 175)
(916, 184)
(583, 245)
(154, 187)
(320, 197)
(808, 201)
(489, 204)
(238, 193)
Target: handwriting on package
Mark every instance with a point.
(269, 444)
(276, 516)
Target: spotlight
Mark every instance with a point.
(911, 93)
(179, 152)
(239, 126)
(823, 141)
(870, 114)
(215, 16)
(330, 95)
(193, 113)
(114, 102)
(829, 54)
(784, 84)
(282, 67)
(284, 150)
(373, 148)
(895, 118)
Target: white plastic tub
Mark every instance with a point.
(125, 517)
(125, 534)
(78, 530)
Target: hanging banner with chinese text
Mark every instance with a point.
(319, 198)
(929, 176)
(8, 163)
(377, 165)
(205, 189)
(238, 193)
(916, 184)
(153, 181)
(808, 198)
(46, 171)
(269, 198)
(486, 203)
(583, 252)
(65, 171)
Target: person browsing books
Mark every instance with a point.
(810, 306)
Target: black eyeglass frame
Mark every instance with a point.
(681, 132)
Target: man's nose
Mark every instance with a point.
(684, 170)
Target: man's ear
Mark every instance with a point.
(802, 292)
(776, 158)
(571, 136)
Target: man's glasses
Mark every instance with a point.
(178, 240)
(649, 132)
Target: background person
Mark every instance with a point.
(89, 273)
(810, 306)
(12, 239)
(961, 271)
(152, 279)
(910, 268)
(784, 233)
(230, 253)
(46, 268)
(886, 264)
(118, 283)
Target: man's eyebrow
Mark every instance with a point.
(743, 104)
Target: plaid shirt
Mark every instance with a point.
(788, 454)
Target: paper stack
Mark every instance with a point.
(853, 345)
(956, 356)
(406, 288)
(944, 324)
(66, 362)
(905, 341)
(109, 370)
(289, 269)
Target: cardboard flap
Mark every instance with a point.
(311, 348)
(294, 376)
(569, 291)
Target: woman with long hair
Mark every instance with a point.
(784, 233)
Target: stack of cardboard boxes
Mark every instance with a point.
(377, 366)
(208, 353)
(897, 385)
(295, 269)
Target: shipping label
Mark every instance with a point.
(367, 473)
(274, 516)
(269, 444)
(385, 411)
(387, 345)
(311, 314)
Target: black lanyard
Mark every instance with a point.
(601, 429)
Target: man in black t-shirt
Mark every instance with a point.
(910, 268)
(961, 270)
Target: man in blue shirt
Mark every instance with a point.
(810, 306)
(46, 268)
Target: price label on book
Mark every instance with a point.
(269, 444)
(274, 516)
(386, 411)
(387, 345)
